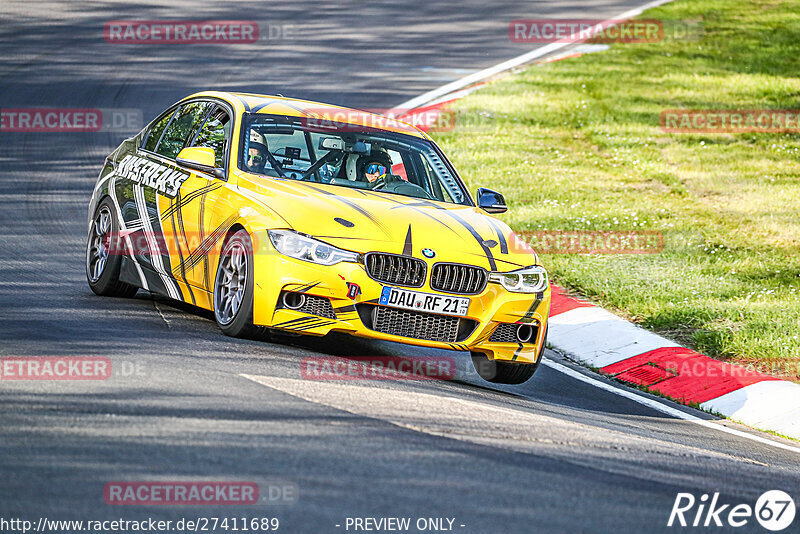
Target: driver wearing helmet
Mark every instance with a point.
(256, 152)
(375, 168)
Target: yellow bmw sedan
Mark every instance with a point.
(284, 214)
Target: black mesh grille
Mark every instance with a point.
(457, 278)
(397, 270)
(505, 333)
(419, 325)
(319, 306)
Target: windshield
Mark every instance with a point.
(348, 155)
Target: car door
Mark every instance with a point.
(150, 182)
(196, 219)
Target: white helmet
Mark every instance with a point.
(257, 140)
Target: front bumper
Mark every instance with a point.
(276, 274)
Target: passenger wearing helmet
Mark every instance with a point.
(256, 152)
(374, 168)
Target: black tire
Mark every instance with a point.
(103, 246)
(236, 322)
(503, 372)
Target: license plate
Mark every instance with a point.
(424, 302)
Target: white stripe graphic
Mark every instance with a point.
(160, 261)
(122, 228)
(152, 243)
(135, 225)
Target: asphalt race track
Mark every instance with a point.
(554, 455)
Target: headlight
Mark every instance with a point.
(296, 245)
(527, 280)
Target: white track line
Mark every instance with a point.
(510, 64)
(663, 408)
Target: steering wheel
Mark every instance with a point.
(391, 183)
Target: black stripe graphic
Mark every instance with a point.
(500, 237)
(414, 206)
(244, 102)
(201, 226)
(188, 198)
(314, 325)
(202, 250)
(485, 336)
(180, 252)
(295, 322)
(306, 287)
(351, 204)
(528, 317)
(408, 249)
(465, 224)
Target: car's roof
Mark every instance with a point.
(293, 107)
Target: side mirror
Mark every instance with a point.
(491, 201)
(201, 159)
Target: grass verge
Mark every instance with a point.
(576, 145)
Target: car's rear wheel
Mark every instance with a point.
(502, 372)
(103, 254)
(233, 288)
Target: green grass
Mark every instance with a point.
(576, 145)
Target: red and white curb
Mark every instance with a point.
(617, 348)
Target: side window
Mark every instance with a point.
(398, 166)
(180, 130)
(215, 134)
(155, 132)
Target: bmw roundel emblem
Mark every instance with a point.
(428, 253)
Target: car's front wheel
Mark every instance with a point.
(103, 254)
(233, 288)
(501, 372)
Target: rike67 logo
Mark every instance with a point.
(774, 510)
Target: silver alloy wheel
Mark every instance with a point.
(231, 283)
(99, 245)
